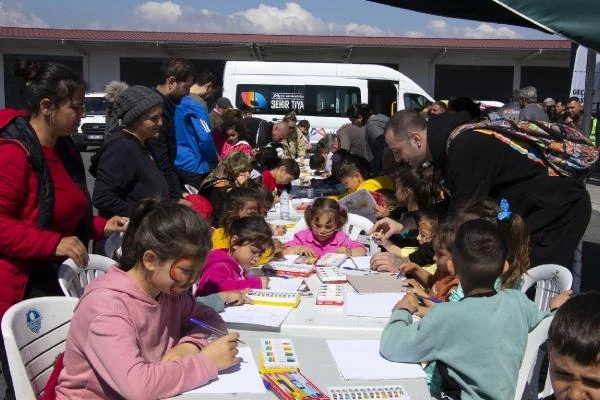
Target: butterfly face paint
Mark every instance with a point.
(184, 272)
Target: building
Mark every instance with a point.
(479, 68)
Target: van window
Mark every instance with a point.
(95, 105)
(413, 101)
(314, 100)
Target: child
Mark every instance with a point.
(131, 335)
(240, 202)
(276, 178)
(325, 219)
(389, 203)
(226, 269)
(317, 163)
(353, 175)
(235, 139)
(304, 128)
(464, 337)
(574, 344)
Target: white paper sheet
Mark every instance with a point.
(284, 285)
(362, 262)
(360, 359)
(378, 305)
(243, 378)
(271, 316)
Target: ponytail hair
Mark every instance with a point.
(252, 230)
(325, 205)
(168, 229)
(50, 80)
(513, 228)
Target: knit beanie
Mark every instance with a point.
(134, 102)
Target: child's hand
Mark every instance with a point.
(301, 250)
(278, 230)
(409, 302)
(234, 298)
(381, 240)
(560, 299)
(416, 287)
(409, 267)
(381, 212)
(179, 351)
(223, 351)
(265, 282)
(344, 250)
(386, 262)
(388, 227)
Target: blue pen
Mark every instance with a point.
(214, 330)
(399, 274)
(428, 298)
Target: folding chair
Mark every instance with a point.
(112, 245)
(34, 333)
(549, 280)
(73, 280)
(527, 382)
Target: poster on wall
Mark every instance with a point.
(579, 71)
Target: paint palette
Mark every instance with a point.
(330, 295)
(286, 268)
(368, 392)
(274, 297)
(331, 260)
(293, 386)
(277, 355)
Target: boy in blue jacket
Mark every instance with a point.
(478, 342)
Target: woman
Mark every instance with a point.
(126, 173)
(45, 209)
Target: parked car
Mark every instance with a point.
(91, 128)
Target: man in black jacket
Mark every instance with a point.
(178, 75)
(556, 209)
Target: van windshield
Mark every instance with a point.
(315, 100)
(95, 105)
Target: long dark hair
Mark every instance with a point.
(50, 80)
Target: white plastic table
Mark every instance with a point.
(317, 364)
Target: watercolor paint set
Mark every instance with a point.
(293, 386)
(331, 260)
(274, 297)
(278, 355)
(287, 268)
(368, 392)
(330, 295)
(331, 275)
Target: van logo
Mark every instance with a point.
(254, 99)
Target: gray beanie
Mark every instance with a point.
(134, 102)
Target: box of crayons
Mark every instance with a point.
(287, 268)
(331, 275)
(293, 386)
(274, 297)
(368, 392)
(330, 295)
(278, 355)
(331, 260)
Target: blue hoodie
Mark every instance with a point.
(195, 146)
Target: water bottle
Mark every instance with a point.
(284, 205)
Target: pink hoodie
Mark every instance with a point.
(222, 272)
(118, 335)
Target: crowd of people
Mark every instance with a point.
(461, 217)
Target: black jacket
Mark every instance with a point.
(164, 148)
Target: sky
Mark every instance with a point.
(302, 17)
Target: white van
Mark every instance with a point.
(318, 92)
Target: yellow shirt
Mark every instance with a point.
(220, 240)
(372, 185)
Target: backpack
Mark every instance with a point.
(561, 149)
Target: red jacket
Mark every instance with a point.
(22, 241)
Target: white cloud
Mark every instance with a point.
(290, 19)
(19, 17)
(158, 13)
(440, 28)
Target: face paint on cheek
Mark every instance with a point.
(178, 275)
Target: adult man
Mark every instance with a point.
(437, 108)
(216, 121)
(575, 118)
(178, 76)
(561, 110)
(550, 107)
(273, 134)
(196, 153)
(531, 110)
(556, 209)
(352, 138)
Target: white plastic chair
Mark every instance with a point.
(355, 225)
(527, 382)
(112, 245)
(73, 280)
(549, 279)
(34, 333)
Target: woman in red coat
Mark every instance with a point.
(45, 209)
